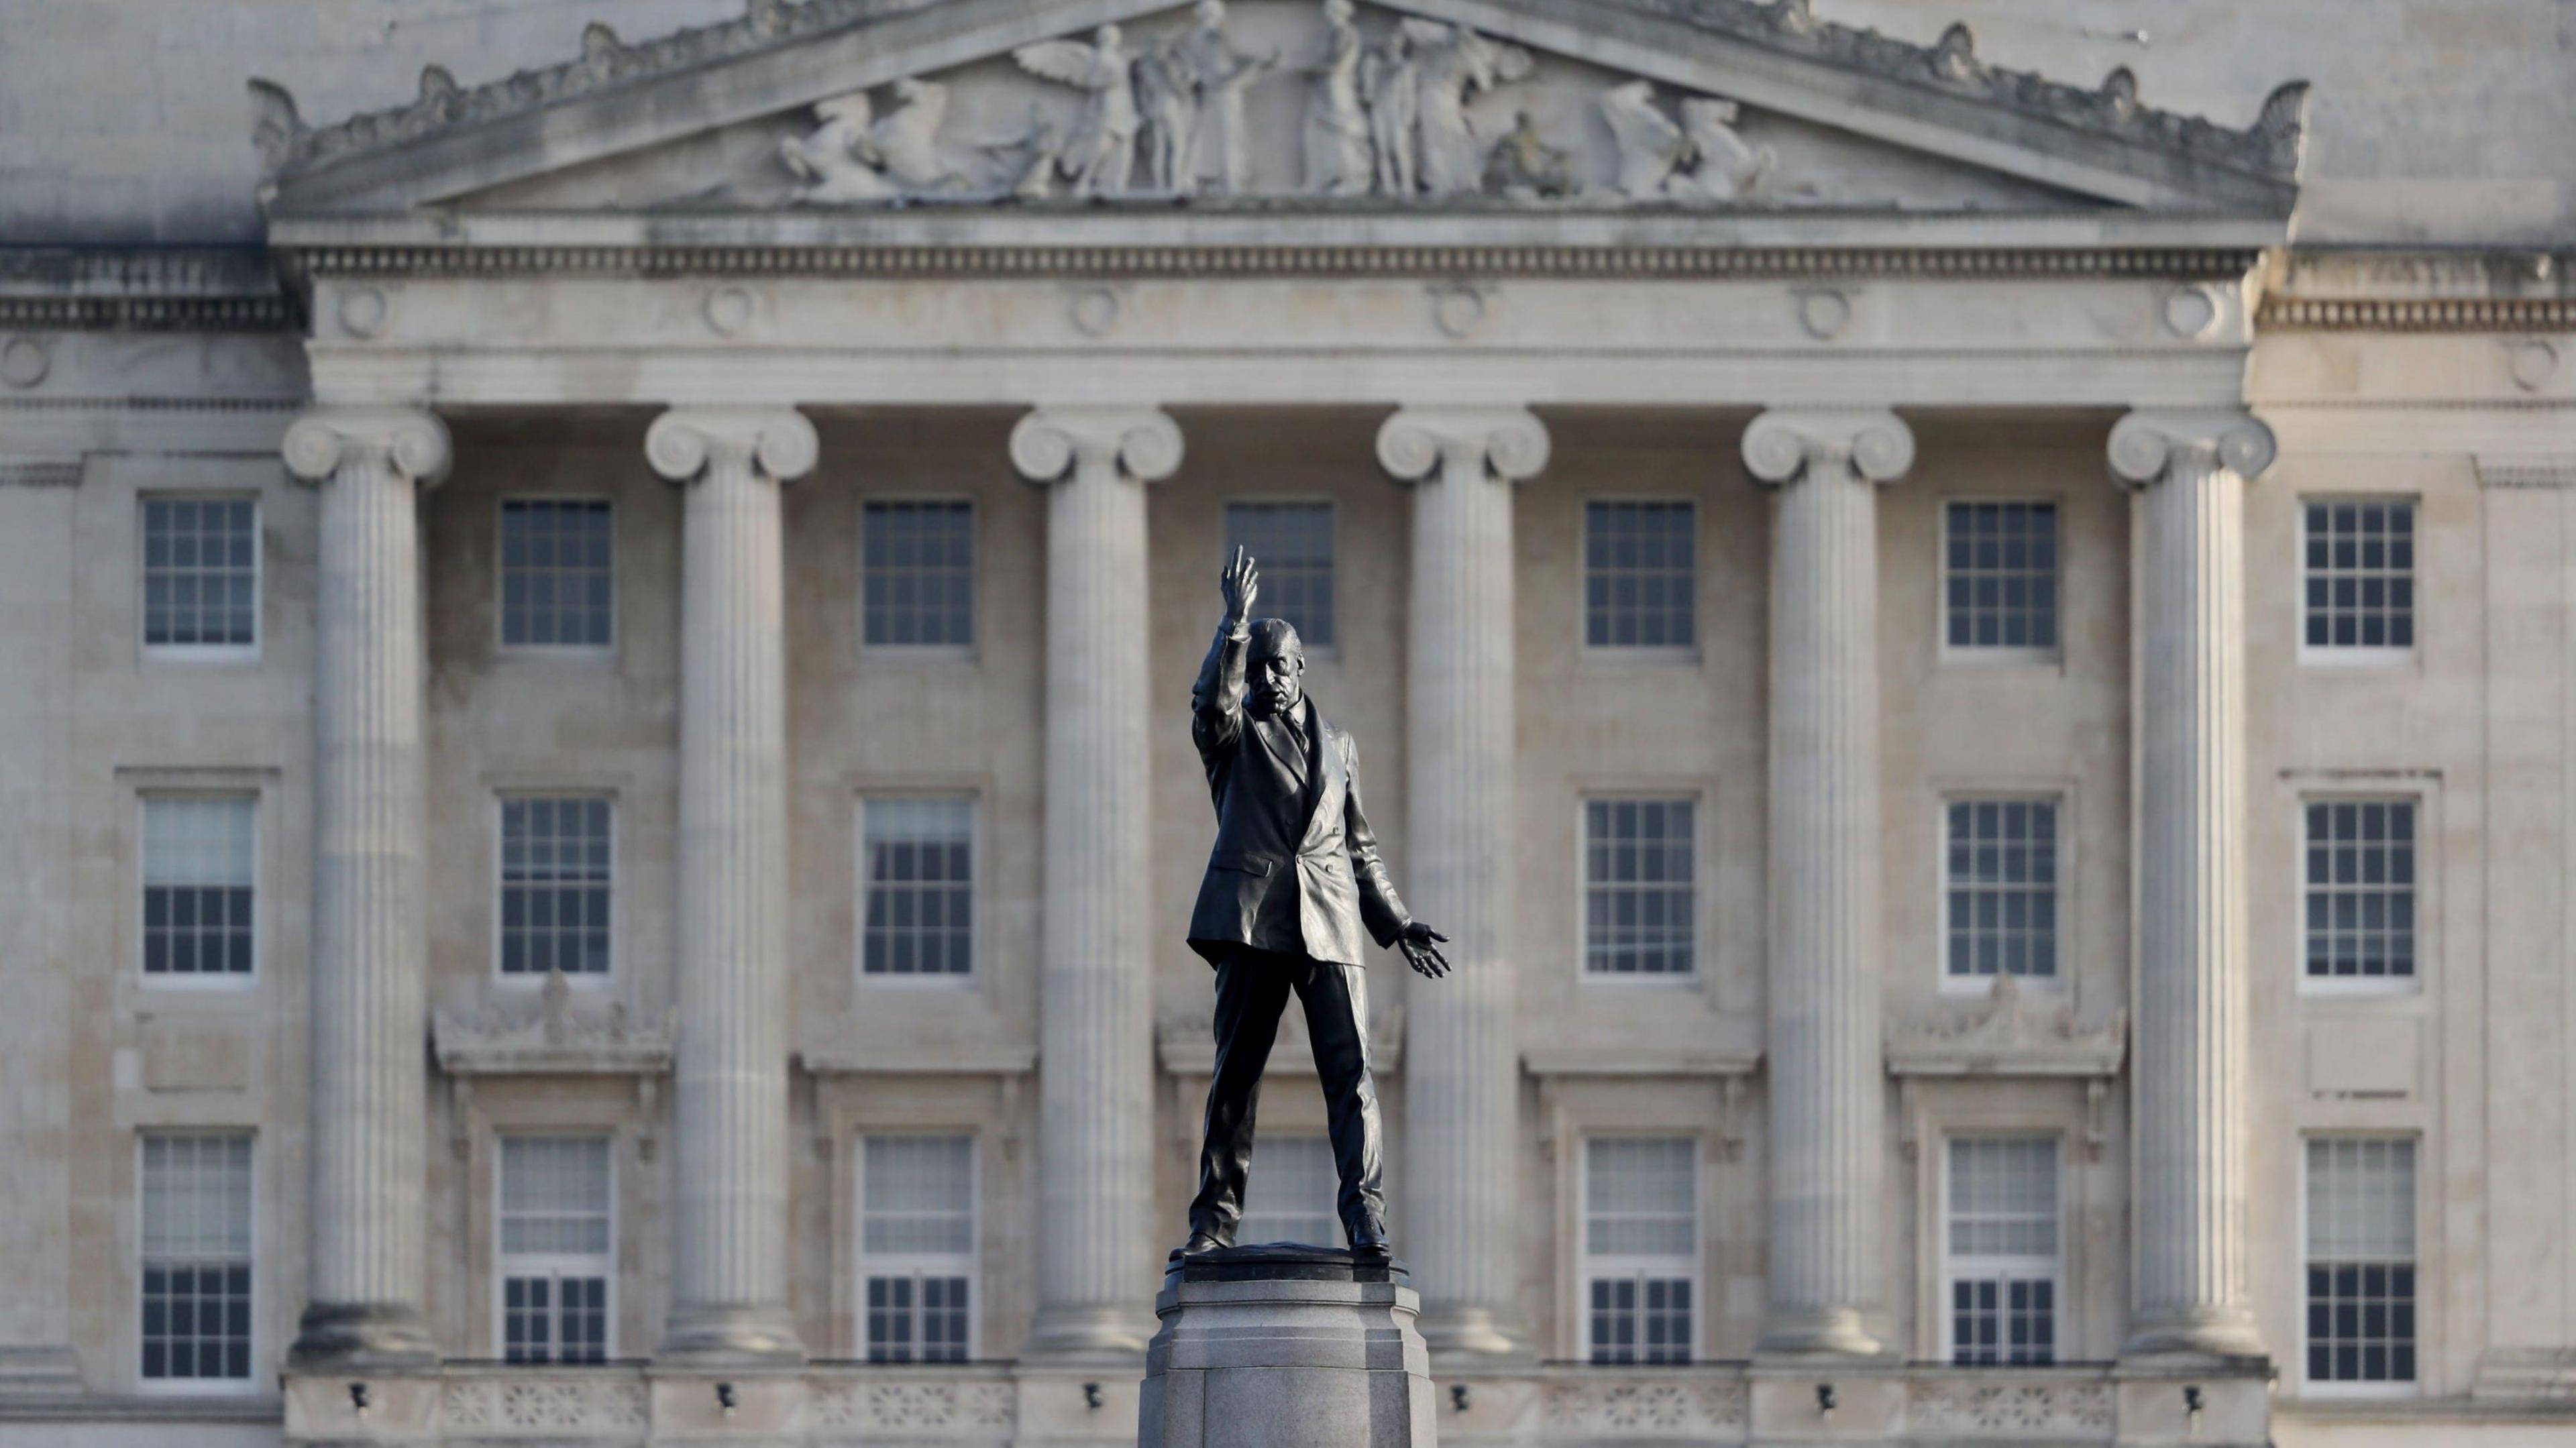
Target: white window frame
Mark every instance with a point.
(917, 1265)
(1999, 655)
(2379, 985)
(249, 1385)
(143, 799)
(973, 976)
(2358, 656)
(501, 581)
(1700, 935)
(577, 980)
(2411, 1387)
(553, 1265)
(1950, 983)
(1589, 1267)
(975, 610)
(1950, 1270)
(200, 653)
(1333, 510)
(1639, 653)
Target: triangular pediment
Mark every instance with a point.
(1665, 105)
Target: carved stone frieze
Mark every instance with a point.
(925, 1409)
(1691, 1408)
(553, 1034)
(1990, 1411)
(2011, 1030)
(522, 1404)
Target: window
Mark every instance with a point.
(2001, 885)
(919, 881)
(2361, 1261)
(2361, 894)
(555, 864)
(196, 1268)
(918, 574)
(2360, 577)
(1640, 575)
(1293, 1193)
(917, 1247)
(557, 573)
(1294, 543)
(2000, 582)
(1640, 1247)
(1999, 1267)
(200, 883)
(1639, 896)
(201, 575)
(557, 1257)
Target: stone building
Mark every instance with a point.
(1976, 656)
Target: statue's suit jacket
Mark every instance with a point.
(1290, 830)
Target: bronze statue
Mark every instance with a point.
(1294, 875)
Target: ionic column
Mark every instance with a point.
(1462, 1055)
(729, 1239)
(1095, 1047)
(2188, 1072)
(370, 929)
(1827, 1081)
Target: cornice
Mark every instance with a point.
(151, 289)
(2417, 314)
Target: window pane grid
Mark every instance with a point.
(1640, 575)
(2360, 583)
(1294, 545)
(920, 863)
(918, 574)
(557, 573)
(2002, 1263)
(200, 572)
(555, 885)
(200, 864)
(1292, 1191)
(1641, 1248)
(2361, 890)
(555, 1248)
(917, 1247)
(1640, 887)
(2361, 1260)
(2002, 888)
(196, 1256)
(2000, 576)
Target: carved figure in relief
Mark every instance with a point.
(1455, 64)
(1701, 161)
(1101, 156)
(1338, 157)
(1651, 144)
(1725, 168)
(1219, 74)
(1389, 87)
(1025, 169)
(1169, 109)
(1525, 167)
(854, 157)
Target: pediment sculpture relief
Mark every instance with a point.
(2010, 1030)
(1391, 116)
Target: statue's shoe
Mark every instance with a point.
(1203, 1242)
(1369, 1240)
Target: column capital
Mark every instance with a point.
(1871, 443)
(1510, 443)
(1143, 443)
(2147, 447)
(412, 442)
(778, 441)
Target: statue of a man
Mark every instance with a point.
(1294, 875)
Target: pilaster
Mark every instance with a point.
(1827, 1088)
(1462, 1054)
(1095, 1045)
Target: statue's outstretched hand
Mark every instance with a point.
(1241, 584)
(1420, 951)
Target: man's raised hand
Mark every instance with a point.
(1420, 951)
(1241, 583)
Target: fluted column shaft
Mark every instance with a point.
(2188, 1081)
(729, 1240)
(1462, 1053)
(1095, 1047)
(370, 928)
(1827, 1081)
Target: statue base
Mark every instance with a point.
(1286, 1346)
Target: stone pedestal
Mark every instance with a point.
(1286, 1347)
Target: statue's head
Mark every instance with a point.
(1210, 12)
(1337, 11)
(1277, 668)
(1108, 37)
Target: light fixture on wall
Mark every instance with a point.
(359, 1402)
(1091, 1396)
(2191, 1408)
(1458, 1397)
(1825, 1401)
(726, 1399)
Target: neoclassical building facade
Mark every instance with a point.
(599, 816)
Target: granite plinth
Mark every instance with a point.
(1286, 1346)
